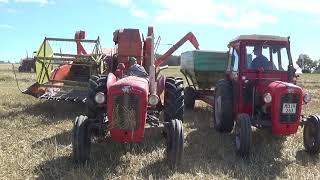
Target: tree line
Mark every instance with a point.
(308, 65)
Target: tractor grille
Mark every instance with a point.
(125, 112)
(289, 98)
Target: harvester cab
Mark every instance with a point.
(260, 89)
(122, 104)
(64, 66)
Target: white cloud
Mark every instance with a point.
(305, 6)
(3, 1)
(41, 2)
(209, 12)
(6, 26)
(138, 12)
(122, 3)
(133, 9)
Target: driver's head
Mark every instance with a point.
(132, 61)
(257, 50)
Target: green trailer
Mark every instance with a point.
(202, 70)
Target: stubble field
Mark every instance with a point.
(35, 143)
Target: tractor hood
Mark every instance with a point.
(131, 83)
(274, 87)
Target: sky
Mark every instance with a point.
(25, 23)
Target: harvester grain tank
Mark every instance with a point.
(260, 92)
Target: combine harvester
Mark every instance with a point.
(243, 93)
(64, 66)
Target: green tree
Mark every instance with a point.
(306, 63)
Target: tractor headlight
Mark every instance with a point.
(153, 100)
(99, 98)
(306, 98)
(267, 98)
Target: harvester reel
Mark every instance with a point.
(81, 139)
(223, 104)
(173, 99)
(174, 142)
(243, 134)
(311, 134)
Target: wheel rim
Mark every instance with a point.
(217, 110)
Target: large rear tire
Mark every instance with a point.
(174, 141)
(311, 134)
(173, 99)
(81, 139)
(243, 133)
(96, 84)
(223, 106)
(189, 98)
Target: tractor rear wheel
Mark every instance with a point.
(311, 134)
(173, 99)
(81, 139)
(174, 142)
(96, 84)
(223, 105)
(189, 98)
(243, 134)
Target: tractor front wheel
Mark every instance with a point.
(174, 141)
(189, 98)
(173, 99)
(243, 134)
(311, 134)
(81, 140)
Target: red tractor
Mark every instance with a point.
(122, 102)
(262, 93)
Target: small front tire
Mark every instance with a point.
(81, 139)
(243, 134)
(174, 142)
(311, 134)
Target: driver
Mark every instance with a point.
(136, 69)
(260, 61)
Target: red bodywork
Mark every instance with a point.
(136, 86)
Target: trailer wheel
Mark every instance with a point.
(174, 142)
(173, 99)
(96, 84)
(189, 98)
(243, 135)
(311, 134)
(223, 105)
(81, 139)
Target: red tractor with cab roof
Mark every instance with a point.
(263, 97)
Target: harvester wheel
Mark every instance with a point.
(243, 134)
(81, 140)
(174, 140)
(189, 98)
(173, 99)
(223, 105)
(96, 84)
(311, 134)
